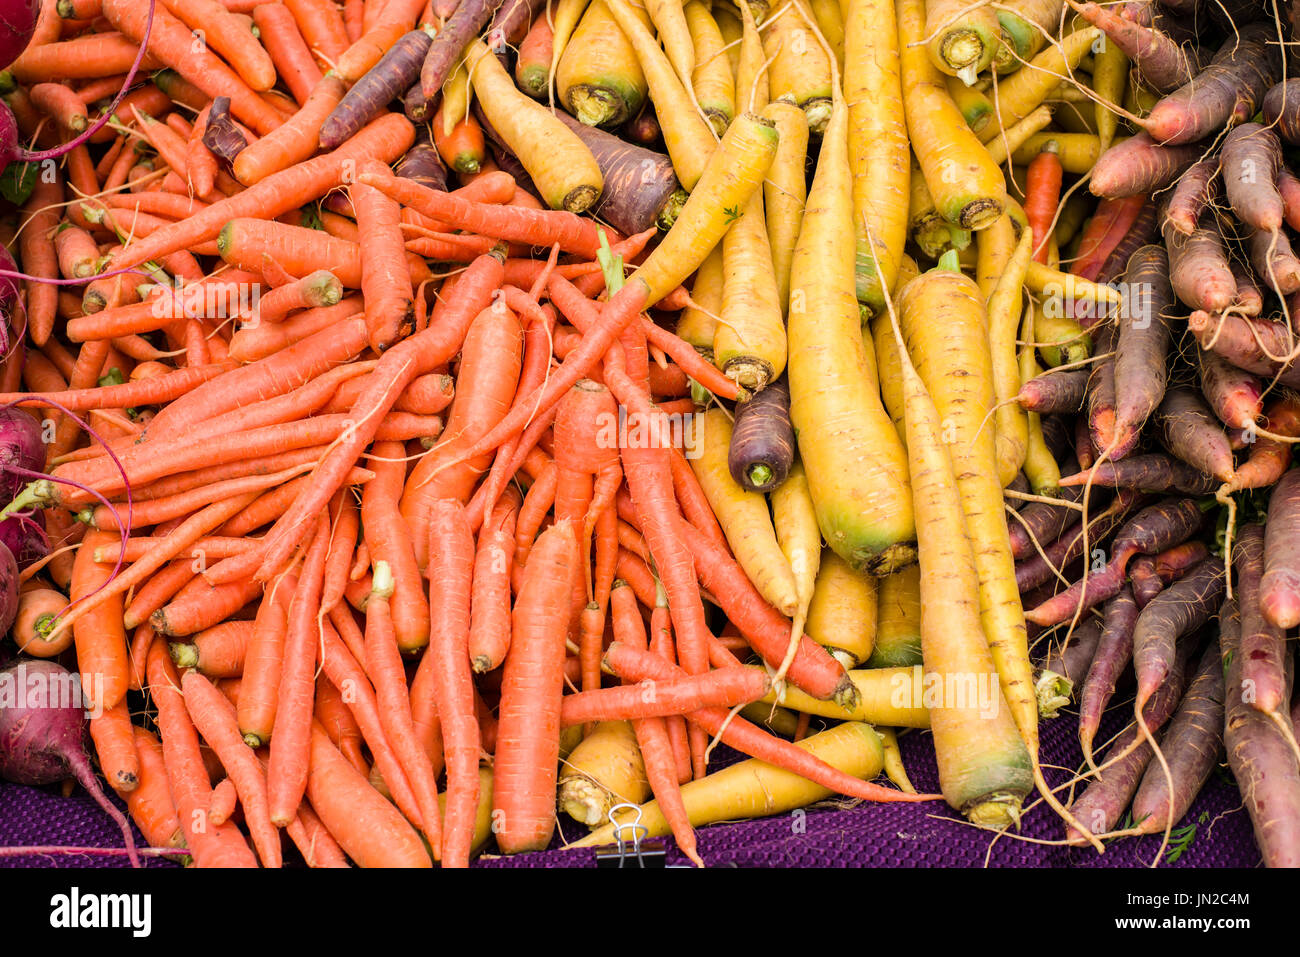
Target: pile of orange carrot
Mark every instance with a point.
(374, 493)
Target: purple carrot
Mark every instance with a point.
(1225, 93)
(422, 164)
(382, 83)
(1036, 569)
(1251, 159)
(1065, 667)
(1279, 590)
(1148, 574)
(1289, 189)
(1273, 259)
(1260, 757)
(1249, 300)
(1164, 64)
(1101, 805)
(221, 135)
(1262, 346)
(1041, 522)
(463, 25)
(1101, 390)
(762, 442)
(641, 189)
(1058, 435)
(1113, 652)
(1192, 195)
(1152, 472)
(510, 22)
(1191, 747)
(1177, 611)
(1282, 110)
(1142, 348)
(1188, 429)
(1140, 165)
(1263, 644)
(1198, 266)
(1235, 395)
(1054, 392)
(1155, 528)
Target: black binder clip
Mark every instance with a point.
(634, 851)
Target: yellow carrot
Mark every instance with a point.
(732, 175)
(697, 322)
(842, 615)
(712, 79)
(953, 361)
(898, 620)
(799, 67)
(561, 167)
(604, 770)
(749, 342)
(1010, 425)
(967, 187)
(856, 466)
(963, 38)
(985, 770)
(754, 788)
(785, 190)
(878, 145)
(687, 136)
(599, 79)
(1018, 95)
(888, 696)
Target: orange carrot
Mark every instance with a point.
(383, 661)
(36, 251)
(385, 279)
(724, 687)
(290, 741)
(115, 747)
(652, 734)
(532, 687)
(369, 829)
(214, 719)
(489, 632)
(490, 366)
(388, 539)
(150, 801)
(99, 635)
(171, 41)
(216, 652)
(384, 139)
(1042, 196)
(413, 356)
(295, 141)
(210, 845)
(321, 25)
(339, 723)
(262, 658)
(451, 570)
(289, 52)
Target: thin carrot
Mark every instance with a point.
(288, 51)
(451, 570)
(290, 743)
(210, 845)
(214, 719)
(532, 686)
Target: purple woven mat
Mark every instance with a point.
(869, 835)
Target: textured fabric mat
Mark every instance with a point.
(868, 835)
